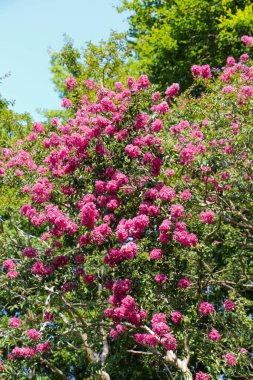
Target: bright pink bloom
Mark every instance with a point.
(230, 61)
(161, 278)
(247, 40)
(230, 359)
(147, 339)
(70, 83)
(9, 264)
(207, 216)
(66, 103)
(214, 335)
(184, 283)
(202, 376)
(34, 334)
(185, 195)
(206, 308)
(201, 71)
(156, 254)
(132, 151)
(229, 305)
(15, 322)
(12, 274)
(169, 342)
(172, 90)
(42, 347)
(176, 317)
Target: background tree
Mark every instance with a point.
(169, 36)
(106, 62)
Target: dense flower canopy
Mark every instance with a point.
(135, 231)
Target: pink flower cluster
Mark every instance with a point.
(206, 308)
(202, 376)
(124, 306)
(229, 305)
(70, 83)
(160, 334)
(115, 255)
(230, 359)
(172, 90)
(207, 216)
(247, 40)
(201, 71)
(214, 335)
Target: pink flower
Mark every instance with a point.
(159, 317)
(177, 211)
(244, 58)
(42, 347)
(230, 61)
(156, 125)
(161, 278)
(243, 351)
(201, 71)
(156, 254)
(24, 352)
(48, 317)
(160, 328)
(207, 216)
(33, 334)
(143, 82)
(9, 264)
(184, 283)
(70, 83)
(66, 103)
(202, 376)
(147, 339)
(230, 359)
(169, 342)
(132, 151)
(214, 335)
(89, 214)
(172, 90)
(206, 308)
(229, 305)
(12, 274)
(176, 317)
(30, 252)
(15, 322)
(167, 194)
(185, 195)
(247, 40)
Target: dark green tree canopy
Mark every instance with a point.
(168, 36)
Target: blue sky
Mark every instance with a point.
(28, 28)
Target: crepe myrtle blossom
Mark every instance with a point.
(202, 376)
(207, 216)
(34, 334)
(229, 305)
(184, 283)
(156, 254)
(248, 40)
(214, 335)
(15, 322)
(176, 317)
(161, 278)
(230, 359)
(206, 308)
(70, 83)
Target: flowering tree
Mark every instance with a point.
(131, 254)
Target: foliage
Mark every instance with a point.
(132, 257)
(106, 62)
(169, 36)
